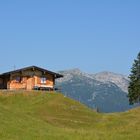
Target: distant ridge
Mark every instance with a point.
(120, 80)
(106, 91)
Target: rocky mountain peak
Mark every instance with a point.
(105, 77)
(120, 80)
(106, 91)
(69, 74)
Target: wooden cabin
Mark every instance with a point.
(29, 78)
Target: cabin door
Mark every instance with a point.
(30, 83)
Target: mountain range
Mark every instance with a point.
(104, 91)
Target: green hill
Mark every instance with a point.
(51, 116)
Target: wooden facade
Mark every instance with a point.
(29, 78)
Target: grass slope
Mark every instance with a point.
(48, 116)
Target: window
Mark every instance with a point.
(43, 80)
(18, 79)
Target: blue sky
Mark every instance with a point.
(93, 35)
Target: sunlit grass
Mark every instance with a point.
(41, 116)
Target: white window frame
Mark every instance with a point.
(43, 80)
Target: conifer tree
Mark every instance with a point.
(134, 85)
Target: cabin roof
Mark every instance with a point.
(56, 75)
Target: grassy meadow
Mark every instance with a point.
(51, 116)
